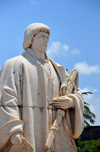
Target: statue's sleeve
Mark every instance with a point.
(74, 121)
(10, 101)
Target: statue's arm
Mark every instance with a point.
(10, 101)
(76, 115)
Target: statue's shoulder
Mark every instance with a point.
(54, 63)
(18, 59)
(59, 67)
(14, 62)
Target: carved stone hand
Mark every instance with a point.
(16, 139)
(63, 102)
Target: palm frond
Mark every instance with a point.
(86, 103)
(86, 123)
(86, 108)
(92, 114)
(92, 121)
(87, 116)
(86, 93)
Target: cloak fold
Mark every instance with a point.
(22, 87)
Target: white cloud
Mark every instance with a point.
(33, 1)
(85, 69)
(57, 48)
(75, 51)
(65, 47)
(88, 89)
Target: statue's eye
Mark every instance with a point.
(42, 36)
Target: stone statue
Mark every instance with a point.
(41, 108)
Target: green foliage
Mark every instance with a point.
(86, 93)
(88, 115)
(88, 146)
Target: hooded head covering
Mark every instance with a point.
(32, 30)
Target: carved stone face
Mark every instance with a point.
(40, 42)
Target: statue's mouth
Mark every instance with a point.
(45, 45)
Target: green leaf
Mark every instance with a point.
(86, 93)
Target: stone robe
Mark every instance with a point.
(26, 88)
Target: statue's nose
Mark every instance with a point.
(45, 40)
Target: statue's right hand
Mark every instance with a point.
(16, 139)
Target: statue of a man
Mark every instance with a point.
(31, 87)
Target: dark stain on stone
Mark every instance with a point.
(20, 81)
(16, 86)
(41, 109)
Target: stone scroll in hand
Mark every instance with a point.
(71, 84)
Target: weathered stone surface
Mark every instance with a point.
(41, 107)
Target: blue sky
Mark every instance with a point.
(74, 39)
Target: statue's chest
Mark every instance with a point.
(48, 84)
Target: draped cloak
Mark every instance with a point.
(26, 88)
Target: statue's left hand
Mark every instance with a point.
(63, 102)
(16, 139)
